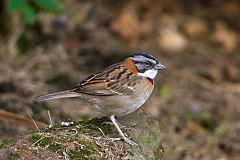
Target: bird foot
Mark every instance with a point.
(128, 141)
(125, 127)
(117, 125)
(125, 139)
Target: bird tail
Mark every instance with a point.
(55, 95)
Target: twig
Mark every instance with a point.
(20, 120)
(37, 141)
(33, 122)
(50, 119)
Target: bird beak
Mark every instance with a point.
(159, 66)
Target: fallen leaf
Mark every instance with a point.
(225, 37)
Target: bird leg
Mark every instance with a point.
(124, 127)
(116, 124)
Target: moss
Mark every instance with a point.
(13, 156)
(6, 143)
(82, 118)
(88, 149)
(35, 137)
(88, 140)
(91, 126)
(159, 152)
(145, 139)
(56, 147)
(46, 142)
(58, 143)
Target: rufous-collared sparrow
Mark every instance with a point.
(117, 90)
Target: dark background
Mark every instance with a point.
(196, 98)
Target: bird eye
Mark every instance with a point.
(147, 64)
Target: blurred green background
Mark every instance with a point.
(50, 45)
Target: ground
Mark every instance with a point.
(196, 98)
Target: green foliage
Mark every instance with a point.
(164, 90)
(219, 129)
(207, 121)
(61, 80)
(29, 9)
(29, 13)
(50, 5)
(14, 5)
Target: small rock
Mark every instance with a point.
(225, 37)
(171, 39)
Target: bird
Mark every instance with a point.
(117, 90)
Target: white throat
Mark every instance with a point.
(149, 73)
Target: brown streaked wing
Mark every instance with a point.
(114, 80)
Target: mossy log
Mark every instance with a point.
(92, 139)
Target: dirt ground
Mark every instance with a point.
(196, 98)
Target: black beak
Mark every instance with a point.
(159, 66)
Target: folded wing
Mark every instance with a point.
(115, 80)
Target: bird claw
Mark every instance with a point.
(130, 129)
(125, 127)
(125, 139)
(117, 125)
(128, 141)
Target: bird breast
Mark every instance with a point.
(121, 105)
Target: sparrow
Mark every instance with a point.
(117, 90)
